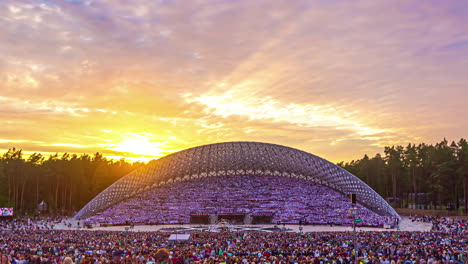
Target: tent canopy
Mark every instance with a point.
(177, 238)
(42, 206)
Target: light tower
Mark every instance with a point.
(353, 211)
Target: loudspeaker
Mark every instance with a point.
(353, 198)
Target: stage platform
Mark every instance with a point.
(405, 225)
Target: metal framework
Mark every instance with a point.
(237, 158)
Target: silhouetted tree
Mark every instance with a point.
(440, 171)
(66, 183)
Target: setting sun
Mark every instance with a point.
(140, 147)
(137, 147)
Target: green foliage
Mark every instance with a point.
(66, 183)
(439, 170)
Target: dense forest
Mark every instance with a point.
(65, 183)
(428, 176)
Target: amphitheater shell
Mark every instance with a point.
(237, 158)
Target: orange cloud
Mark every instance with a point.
(338, 79)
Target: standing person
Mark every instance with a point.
(162, 257)
(4, 259)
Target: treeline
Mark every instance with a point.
(439, 173)
(64, 182)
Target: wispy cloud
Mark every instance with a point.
(303, 115)
(338, 79)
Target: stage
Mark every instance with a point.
(405, 225)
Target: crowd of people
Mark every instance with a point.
(444, 224)
(33, 223)
(22, 246)
(58, 240)
(290, 202)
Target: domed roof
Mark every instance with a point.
(237, 158)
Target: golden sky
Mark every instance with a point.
(141, 79)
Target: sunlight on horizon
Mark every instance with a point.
(136, 147)
(130, 157)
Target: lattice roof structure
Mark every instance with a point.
(237, 158)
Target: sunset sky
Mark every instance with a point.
(142, 79)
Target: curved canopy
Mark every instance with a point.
(237, 158)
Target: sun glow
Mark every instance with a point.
(131, 159)
(137, 146)
(140, 147)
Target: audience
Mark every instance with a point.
(446, 224)
(290, 201)
(84, 246)
(37, 240)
